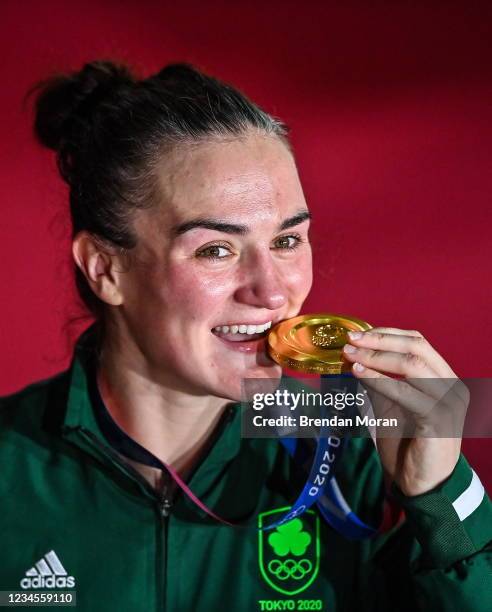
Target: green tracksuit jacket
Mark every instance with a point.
(74, 516)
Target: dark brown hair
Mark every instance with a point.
(110, 129)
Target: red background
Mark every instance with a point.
(390, 109)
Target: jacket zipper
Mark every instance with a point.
(165, 507)
(165, 502)
(163, 499)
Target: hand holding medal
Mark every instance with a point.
(331, 344)
(428, 389)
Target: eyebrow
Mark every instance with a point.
(233, 228)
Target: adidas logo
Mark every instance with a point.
(47, 573)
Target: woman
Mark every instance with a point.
(190, 239)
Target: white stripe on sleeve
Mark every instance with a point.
(470, 499)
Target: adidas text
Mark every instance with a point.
(48, 582)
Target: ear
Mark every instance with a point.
(97, 264)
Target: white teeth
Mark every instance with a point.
(243, 329)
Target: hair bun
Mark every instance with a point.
(61, 97)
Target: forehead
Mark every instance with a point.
(230, 177)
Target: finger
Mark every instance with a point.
(435, 417)
(399, 391)
(392, 362)
(395, 331)
(416, 370)
(414, 344)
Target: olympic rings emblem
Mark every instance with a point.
(290, 568)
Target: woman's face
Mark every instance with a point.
(226, 251)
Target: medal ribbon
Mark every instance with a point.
(321, 487)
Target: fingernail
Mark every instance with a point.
(354, 335)
(359, 367)
(348, 348)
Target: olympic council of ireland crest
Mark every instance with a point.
(289, 555)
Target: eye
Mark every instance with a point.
(288, 243)
(214, 251)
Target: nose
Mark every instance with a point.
(262, 284)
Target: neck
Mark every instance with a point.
(172, 425)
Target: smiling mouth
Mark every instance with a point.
(242, 332)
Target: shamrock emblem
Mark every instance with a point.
(290, 538)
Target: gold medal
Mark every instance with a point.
(313, 343)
